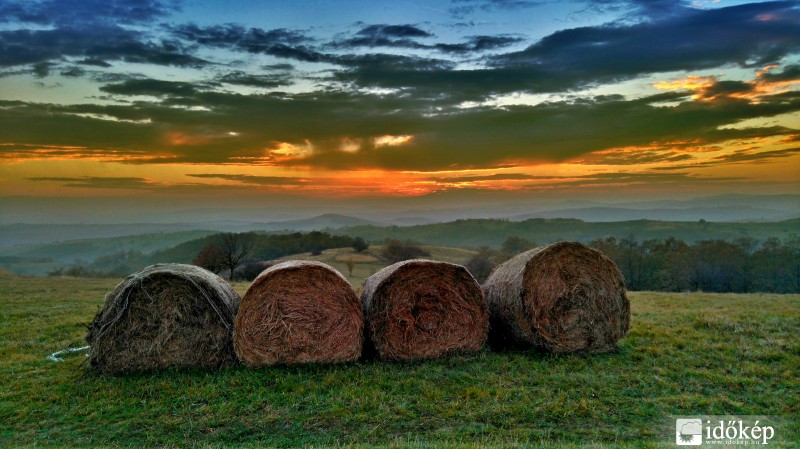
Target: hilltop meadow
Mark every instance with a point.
(686, 354)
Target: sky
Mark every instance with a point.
(315, 102)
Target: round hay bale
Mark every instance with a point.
(419, 309)
(299, 312)
(166, 315)
(564, 297)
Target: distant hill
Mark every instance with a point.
(473, 233)
(39, 259)
(102, 254)
(27, 234)
(716, 214)
(719, 208)
(32, 234)
(320, 222)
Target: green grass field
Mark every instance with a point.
(687, 354)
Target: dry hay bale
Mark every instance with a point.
(166, 315)
(299, 312)
(419, 309)
(564, 297)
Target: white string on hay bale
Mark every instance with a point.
(564, 297)
(166, 315)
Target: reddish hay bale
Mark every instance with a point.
(564, 297)
(419, 309)
(299, 312)
(166, 315)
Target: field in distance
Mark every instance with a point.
(686, 354)
(369, 261)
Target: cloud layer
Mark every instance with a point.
(406, 96)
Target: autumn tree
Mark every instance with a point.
(210, 257)
(396, 251)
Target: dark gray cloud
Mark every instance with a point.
(96, 44)
(252, 40)
(747, 35)
(151, 87)
(285, 67)
(80, 12)
(789, 72)
(97, 30)
(494, 177)
(463, 8)
(747, 156)
(678, 38)
(269, 80)
(370, 68)
(750, 156)
(42, 69)
(401, 36)
(257, 180)
(636, 10)
(244, 127)
(751, 35)
(198, 123)
(406, 36)
(95, 62)
(606, 180)
(393, 31)
(295, 45)
(280, 42)
(625, 156)
(92, 182)
(480, 43)
(648, 178)
(73, 72)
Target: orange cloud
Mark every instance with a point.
(391, 141)
(762, 86)
(691, 83)
(179, 139)
(16, 152)
(710, 88)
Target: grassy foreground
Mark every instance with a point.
(687, 354)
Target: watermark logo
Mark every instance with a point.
(723, 431)
(689, 432)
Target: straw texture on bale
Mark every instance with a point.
(166, 315)
(564, 297)
(299, 312)
(419, 309)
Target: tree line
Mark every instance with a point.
(743, 265)
(243, 256)
(221, 253)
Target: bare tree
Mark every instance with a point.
(235, 247)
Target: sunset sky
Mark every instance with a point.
(200, 100)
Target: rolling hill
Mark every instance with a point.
(470, 234)
(478, 232)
